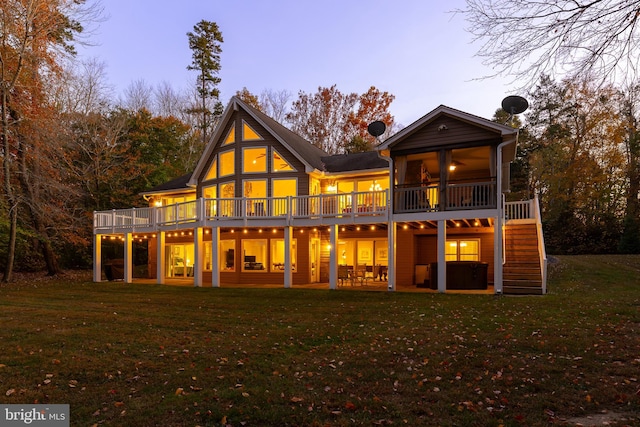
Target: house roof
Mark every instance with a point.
(505, 131)
(177, 184)
(310, 155)
(354, 162)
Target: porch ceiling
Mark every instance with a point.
(453, 223)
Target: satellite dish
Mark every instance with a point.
(514, 104)
(376, 128)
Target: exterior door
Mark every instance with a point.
(179, 260)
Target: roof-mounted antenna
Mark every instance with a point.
(376, 128)
(513, 105)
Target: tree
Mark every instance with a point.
(529, 38)
(248, 98)
(576, 161)
(274, 103)
(332, 120)
(205, 43)
(35, 34)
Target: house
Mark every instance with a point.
(264, 206)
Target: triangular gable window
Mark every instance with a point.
(231, 137)
(212, 173)
(279, 164)
(248, 134)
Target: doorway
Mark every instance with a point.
(179, 260)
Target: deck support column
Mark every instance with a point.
(198, 256)
(288, 268)
(97, 258)
(391, 251)
(160, 258)
(497, 255)
(333, 256)
(215, 257)
(128, 258)
(442, 260)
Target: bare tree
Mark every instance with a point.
(529, 38)
(168, 101)
(138, 95)
(274, 103)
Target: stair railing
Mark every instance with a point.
(541, 249)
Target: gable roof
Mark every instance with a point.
(507, 132)
(354, 162)
(310, 155)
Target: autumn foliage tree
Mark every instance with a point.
(35, 35)
(331, 120)
(574, 142)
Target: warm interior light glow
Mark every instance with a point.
(452, 167)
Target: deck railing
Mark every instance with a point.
(458, 196)
(292, 208)
(356, 204)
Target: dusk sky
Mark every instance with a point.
(415, 49)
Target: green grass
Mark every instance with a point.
(148, 355)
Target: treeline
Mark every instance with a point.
(580, 152)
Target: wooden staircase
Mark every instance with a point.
(521, 272)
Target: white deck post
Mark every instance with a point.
(160, 258)
(442, 260)
(288, 268)
(333, 256)
(391, 256)
(497, 255)
(198, 261)
(97, 258)
(215, 257)
(128, 258)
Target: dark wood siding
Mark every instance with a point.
(456, 133)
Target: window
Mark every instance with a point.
(227, 163)
(279, 164)
(248, 134)
(282, 188)
(227, 258)
(212, 173)
(227, 204)
(256, 190)
(210, 193)
(207, 256)
(277, 255)
(462, 250)
(254, 254)
(254, 160)
(231, 137)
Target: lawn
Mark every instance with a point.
(150, 355)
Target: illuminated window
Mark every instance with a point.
(282, 188)
(277, 255)
(227, 255)
(248, 134)
(254, 255)
(279, 164)
(210, 193)
(231, 137)
(227, 163)
(227, 205)
(462, 250)
(212, 173)
(254, 160)
(256, 191)
(207, 256)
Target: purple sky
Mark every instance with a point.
(414, 49)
